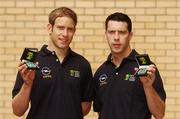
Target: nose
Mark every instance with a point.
(65, 32)
(116, 35)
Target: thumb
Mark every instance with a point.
(136, 68)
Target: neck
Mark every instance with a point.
(61, 53)
(118, 57)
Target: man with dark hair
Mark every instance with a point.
(119, 93)
(62, 86)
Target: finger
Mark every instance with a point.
(22, 67)
(151, 69)
(136, 68)
(30, 75)
(28, 72)
(23, 70)
(152, 65)
(20, 64)
(151, 75)
(37, 63)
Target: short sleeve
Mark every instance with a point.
(87, 84)
(17, 85)
(158, 85)
(96, 101)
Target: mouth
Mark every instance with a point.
(62, 40)
(116, 45)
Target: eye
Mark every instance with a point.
(111, 32)
(71, 29)
(122, 32)
(61, 27)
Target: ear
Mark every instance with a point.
(74, 29)
(49, 28)
(105, 34)
(130, 35)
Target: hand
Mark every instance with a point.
(149, 79)
(27, 75)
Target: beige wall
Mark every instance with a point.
(156, 27)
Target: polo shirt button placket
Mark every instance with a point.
(116, 73)
(53, 53)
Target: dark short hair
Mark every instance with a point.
(60, 12)
(118, 16)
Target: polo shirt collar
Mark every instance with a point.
(131, 56)
(46, 52)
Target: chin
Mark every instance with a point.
(116, 50)
(63, 47)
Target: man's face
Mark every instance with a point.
(61, 34)
(118, 36)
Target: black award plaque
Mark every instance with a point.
(143, 61)
(29, 57)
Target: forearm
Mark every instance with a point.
(155, 103)
(20, 102)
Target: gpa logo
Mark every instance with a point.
(74, 73)
(46, 73)
(129, 77)
(103, 79)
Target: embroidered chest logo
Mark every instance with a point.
(74, 73)
(103, 79)
(46, 73)
(129, 77)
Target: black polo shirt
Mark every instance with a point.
(119, 94)
(59, 88)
